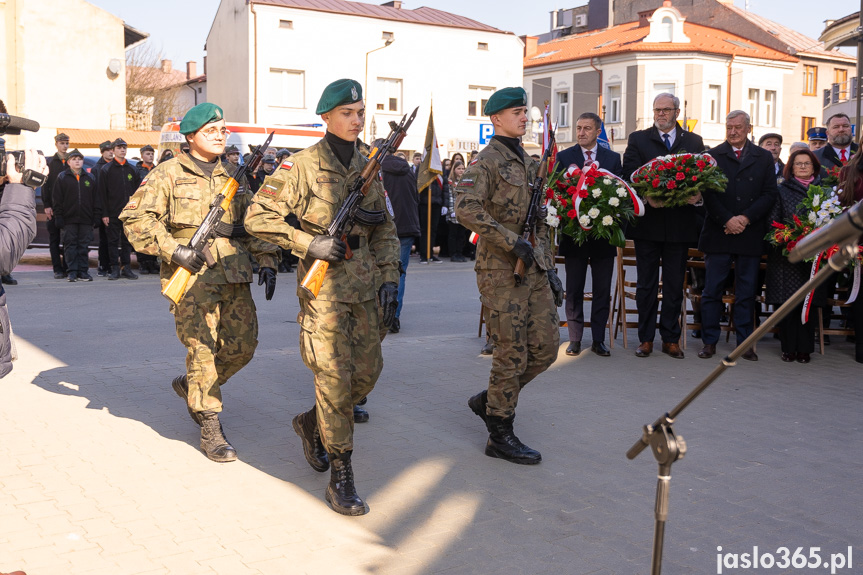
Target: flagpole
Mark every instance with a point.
(428, 227)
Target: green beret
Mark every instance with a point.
(339, 93)
(74, 153)
(505, 98)
(200, 115)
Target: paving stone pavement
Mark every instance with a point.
(100, 471)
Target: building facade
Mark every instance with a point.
(268, 62)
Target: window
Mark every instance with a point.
(841, 77)
(714, 111)
(663, 88)
(665, 29)
(563, 109)
(769, 116)
(614, 104)
(806, 124)
(482, 45)
(477, 97)
(754, 103)
(289, 24)
(388, 36)
(389, 95)
(287, 88)
(810, 80)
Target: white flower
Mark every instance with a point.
(621, 193)
(607, 221)
(593, 213)
(812, 217)
(613, 202)
(816, 200)
(552, 220)
(596, 192)
(607, 181)
(584, 221)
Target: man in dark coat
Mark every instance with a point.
(663, 234)
(56, 164)
(107, 151)
(733, 234)
(401, 188)
(76, 210)
(840, 146)
(598, 253)
(117, 181)
(773, 144)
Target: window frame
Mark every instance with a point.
(302, 76)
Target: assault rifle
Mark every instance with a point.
(176, 286)
(536, 196)
(348, 212)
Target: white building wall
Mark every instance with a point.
(58, 74)
(230, 51)
(434, 63)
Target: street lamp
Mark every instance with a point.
(389, 41)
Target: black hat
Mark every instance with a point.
(232, 150)
(105, 146)
(269, 159)
(119, 142)
(817, 133)
(147, 148)
(768, 136)
(73, 154)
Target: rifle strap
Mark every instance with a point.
(184, 233)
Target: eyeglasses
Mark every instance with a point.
(210, 133)
(663, 111)
(802, 164)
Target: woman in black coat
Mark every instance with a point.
(783, 277)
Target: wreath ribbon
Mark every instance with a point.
(601, 172)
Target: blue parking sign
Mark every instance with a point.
(486, 131)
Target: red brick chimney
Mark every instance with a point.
(191, 70)
(529, 45)
(166, 66)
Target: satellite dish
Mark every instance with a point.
(114, 67)
(535, 114)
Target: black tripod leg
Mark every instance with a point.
(663, 484)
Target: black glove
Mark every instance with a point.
(556, 288)
(58, 222)
(267, 278)
(327, 248)
(524, 251)
(188, 258)
(389, 298)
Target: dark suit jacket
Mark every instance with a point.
(662, 224)
(828, 157)
(608, 160)
(751, 192)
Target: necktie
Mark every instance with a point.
(588, 153)
(738, 153)
(667, 139)
(844, 155)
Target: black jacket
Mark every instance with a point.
(17, 230)
(828, 157)
(143, 170)
(751, 192)
(76, 200)
(662, 224)
(608, 160)
(401, 187)
(116, 184)
(55, 166)
(437, 193)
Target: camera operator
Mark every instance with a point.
(17, 230)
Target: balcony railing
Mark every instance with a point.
(841, 92)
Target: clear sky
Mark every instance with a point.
(179, 28)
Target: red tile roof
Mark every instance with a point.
(801, 43)
(627, 38)
(423, 15)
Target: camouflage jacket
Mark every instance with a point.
(169, 206)
(313, 184)
(492, 199)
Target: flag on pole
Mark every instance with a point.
(603, 137)
(546, 137)
(431, 168)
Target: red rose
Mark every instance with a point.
(549, 194)
(700, 164)
(561, 185)
(563, 203)
(679, 176)
(687, 156)
(571, 214)
(589, 181)
(694, 178)
(671, 185)
(582, 193)
(571, 190)
(655, 182)
(670, 165)
(660, 168)
(687, 170)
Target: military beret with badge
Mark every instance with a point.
(505, 98)
(339, 93)
(199, 116)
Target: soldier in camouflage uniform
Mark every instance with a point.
(216, 318)
(339, 335)
(492, 200)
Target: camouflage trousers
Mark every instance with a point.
(523, 325)
(341, 344)
(219, 327)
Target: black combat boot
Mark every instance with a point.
(128, 273)
(477, 404)
(115, 273)
(181, 386)
(503, 444)
(213, 441)
(360, 414)
(306, 426)
(341, 494)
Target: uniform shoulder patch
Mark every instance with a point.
(271, 188)
(472, 162)
(144, 181)
(286, 165)
(133, 204)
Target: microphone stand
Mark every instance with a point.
(668, 447)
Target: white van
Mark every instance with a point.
(247, 137)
